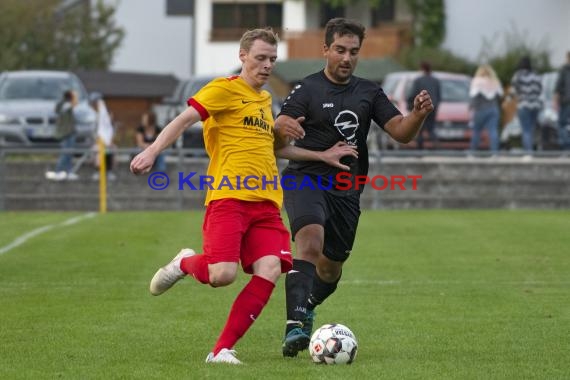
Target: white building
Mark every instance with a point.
(158, 43)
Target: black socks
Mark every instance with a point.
(320, 291)
(298, 285)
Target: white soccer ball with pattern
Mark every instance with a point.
(333, 344)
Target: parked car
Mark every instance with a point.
(27, 108)
(453, 115)
(170, 107)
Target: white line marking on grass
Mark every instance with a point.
(78, 219)
(427, 282)
(38, 231)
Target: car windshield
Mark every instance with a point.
(38, 88)
(389, 85)
(454, 90)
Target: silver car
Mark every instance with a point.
(27, 108)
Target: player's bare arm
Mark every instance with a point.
(331, 156)
(403, 129)
(142, 163)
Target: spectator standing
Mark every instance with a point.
(66, 133)
(432, 85)
(562, 101)
(105, 133)
(146, 134)
(485, 95)
(527, 87)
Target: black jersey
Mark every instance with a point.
(333, 113)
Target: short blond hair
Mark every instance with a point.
(264, 34)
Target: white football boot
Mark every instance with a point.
(224, 356)
(169, 274)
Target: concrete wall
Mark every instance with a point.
(446, 183)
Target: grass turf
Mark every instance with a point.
(429, 295)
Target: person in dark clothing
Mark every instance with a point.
(147, 132)
(326, 109)
(66, 133)
(432, 85)
(527, 85)
(562, 100)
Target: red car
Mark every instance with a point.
(453, 115)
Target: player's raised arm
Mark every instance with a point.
(142, 163)
(403, 129)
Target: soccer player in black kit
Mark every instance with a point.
(328, 108)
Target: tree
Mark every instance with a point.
(428, 21)
(44, 35)
(505, 56)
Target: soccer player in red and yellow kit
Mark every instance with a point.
(242, 221)
(240, 225)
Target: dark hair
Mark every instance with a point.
(151, 118)
(524, 63)
(426, 66)
(68, 95)
(342, 27)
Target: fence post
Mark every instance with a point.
(102, 176)
(179, 193)
(2, 176)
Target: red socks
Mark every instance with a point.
(197, 267)
(245, 309)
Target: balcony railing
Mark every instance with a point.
(383, 41)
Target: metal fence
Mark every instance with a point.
(450, 179)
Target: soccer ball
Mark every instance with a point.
(333, 344)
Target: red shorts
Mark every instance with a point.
(236, 230)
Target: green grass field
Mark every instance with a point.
(429, 295)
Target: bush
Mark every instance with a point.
(516, 44)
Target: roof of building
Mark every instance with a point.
(294, 70)
(128, 84)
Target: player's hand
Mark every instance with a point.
(423, 104)
(289, 128)
(335, 153)
(143, 162)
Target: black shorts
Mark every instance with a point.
(337, 214)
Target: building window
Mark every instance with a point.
(385, 12)
(328, 12)
(231, 20)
